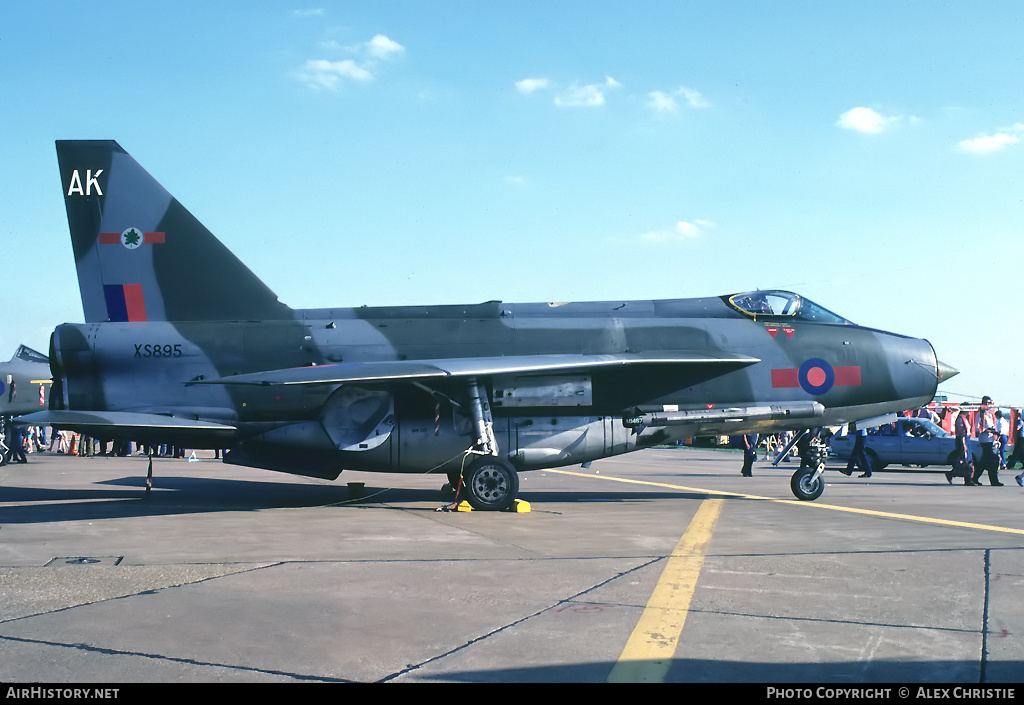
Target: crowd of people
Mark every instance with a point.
(991, 427)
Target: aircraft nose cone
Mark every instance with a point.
(945, 371)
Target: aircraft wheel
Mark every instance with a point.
(805, 485)
(491, 484)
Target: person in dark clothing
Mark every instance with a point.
(18, 445)
(1018, 441)
(962, 428)
(858, 458)
(749, 454)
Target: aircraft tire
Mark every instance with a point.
(805, 486)
(491, 484)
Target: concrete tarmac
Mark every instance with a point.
(226, 574)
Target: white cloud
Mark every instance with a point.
(594, 95)
(319, 73)
(664, 103)
(382, 47)
(531, 85)
(589, 96)
(693, 98)
(866, 120)
(984, 144)
(682, 231)
(323, 73)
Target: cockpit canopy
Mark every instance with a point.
(27, 354)
(782, 304)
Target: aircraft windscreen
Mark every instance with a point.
(783, 304)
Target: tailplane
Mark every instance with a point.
(140, 255)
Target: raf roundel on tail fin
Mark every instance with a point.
(140, 255)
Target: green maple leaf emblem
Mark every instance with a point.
(132, 237)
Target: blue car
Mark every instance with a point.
(909, 442)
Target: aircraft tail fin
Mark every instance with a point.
(140, 255)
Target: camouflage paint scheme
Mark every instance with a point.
(184, 344)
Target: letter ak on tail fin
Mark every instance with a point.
(141, 256)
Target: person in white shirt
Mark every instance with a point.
(1003, 434)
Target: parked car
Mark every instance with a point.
(908, 441)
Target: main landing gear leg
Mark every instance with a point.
(482, 421)
(490, 482)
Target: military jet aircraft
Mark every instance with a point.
(183, 344)
(24, 388)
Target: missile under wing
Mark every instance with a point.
(184, 344)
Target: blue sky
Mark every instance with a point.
(868, 155)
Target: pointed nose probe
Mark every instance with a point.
(945, 371)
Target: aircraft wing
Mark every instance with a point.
(412, 370)
(131, 425)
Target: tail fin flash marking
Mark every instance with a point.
(125, 302)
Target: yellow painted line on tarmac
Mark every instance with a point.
(797, 502)
(652, 645)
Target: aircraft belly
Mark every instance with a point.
(426, 445)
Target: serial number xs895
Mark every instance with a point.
(165, 350)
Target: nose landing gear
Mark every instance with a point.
(807, 483)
